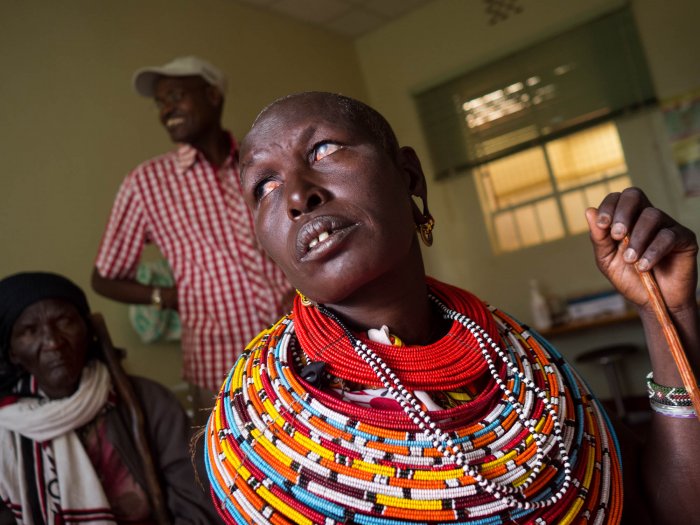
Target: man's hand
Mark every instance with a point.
(169, 296)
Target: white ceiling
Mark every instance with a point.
(346, 17)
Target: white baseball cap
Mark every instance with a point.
(145, 79)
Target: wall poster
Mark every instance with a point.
(682, 116)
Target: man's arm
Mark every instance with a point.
(132, 292)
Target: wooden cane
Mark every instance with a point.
(671, 335)
(138, 428)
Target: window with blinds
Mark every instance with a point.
(536, 128)
(540, 194)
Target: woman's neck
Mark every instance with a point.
(407, 311)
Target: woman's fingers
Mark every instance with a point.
(652, 238)
(604, 246)
(654, 241)
(651, 233)
(621, 210)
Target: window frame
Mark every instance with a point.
(556, 194)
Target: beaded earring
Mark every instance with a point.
(305, 300)
(424, 223)
(426, 230)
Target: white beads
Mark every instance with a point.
(510, 495)
(480, 335)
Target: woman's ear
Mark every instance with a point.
(418, 189)
(410, 164)
(11, 358)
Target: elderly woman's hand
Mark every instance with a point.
(656, 241)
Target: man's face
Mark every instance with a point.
(188, 107)
(331, 207)
(50, 340)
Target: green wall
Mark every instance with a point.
(71, 126)
(449, 37)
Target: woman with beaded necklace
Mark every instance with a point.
(387, 397)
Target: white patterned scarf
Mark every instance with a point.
(42, 431)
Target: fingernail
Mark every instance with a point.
(618, 229)
(643, 265)
(630, 255)
(603, 220)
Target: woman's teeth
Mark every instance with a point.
(320, 238)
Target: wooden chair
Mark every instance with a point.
(125, 389)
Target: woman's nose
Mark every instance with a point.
(49, 337)
(304, 196)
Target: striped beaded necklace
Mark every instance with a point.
(442, 441)
(538, 450)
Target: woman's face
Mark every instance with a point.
(50, 341)
(332, 208)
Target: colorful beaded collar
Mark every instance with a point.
(532, 447)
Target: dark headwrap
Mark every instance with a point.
(21, 290)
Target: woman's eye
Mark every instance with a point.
(264, 187)
(65, 322)
(26, 331)
(324, 149)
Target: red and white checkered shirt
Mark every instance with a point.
(228, 289)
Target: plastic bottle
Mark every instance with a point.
(541, 316)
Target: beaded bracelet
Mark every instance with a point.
(672, 396)
(685, 412)
(671, 401)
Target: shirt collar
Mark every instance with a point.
(188, 156)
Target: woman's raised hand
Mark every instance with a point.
(656, 241)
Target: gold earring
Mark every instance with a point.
(305, 300)
(426, 230)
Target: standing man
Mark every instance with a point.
(188, 203)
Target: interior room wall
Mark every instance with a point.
(450, 37)
(71, 126)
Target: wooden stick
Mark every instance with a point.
(138, 428)
(671, 335)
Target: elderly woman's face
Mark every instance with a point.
(50, 341)
(331, 207)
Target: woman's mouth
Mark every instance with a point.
(319, 237)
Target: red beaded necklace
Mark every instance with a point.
(452, 362)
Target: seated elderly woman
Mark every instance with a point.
(387, 397)
(66, 451)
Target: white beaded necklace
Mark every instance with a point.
(506, 496)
